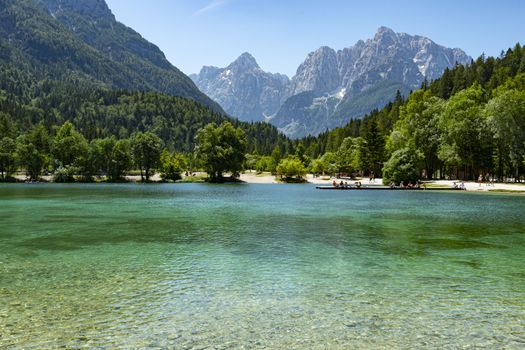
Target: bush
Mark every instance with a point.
(291, 167)
(65, 174)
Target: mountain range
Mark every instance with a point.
(82, 41)
(330, 87)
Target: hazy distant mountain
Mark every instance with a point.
(331, 87)
(243, 89)
(73, 39)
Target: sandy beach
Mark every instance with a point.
(267, 178)
(252, 177)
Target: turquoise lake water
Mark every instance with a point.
(259, 266)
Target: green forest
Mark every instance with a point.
(471, 121)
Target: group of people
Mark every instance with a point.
(485, 179)
(345, 184)
(408, 185)
(459, 185)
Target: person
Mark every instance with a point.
(480, 179)
(334, 183)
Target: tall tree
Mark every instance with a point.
(145, 150)
(221, 149)
(7, 157)
(69, 147)
(373, 148)
(466, 141)
(506, 118)
(33, 151)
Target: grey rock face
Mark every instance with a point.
(318, 73)
(243, 89)
(330, 87)
(351, 82)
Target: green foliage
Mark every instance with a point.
(329, 163)
(506, 119)
(109, 157)
(171, 165)
(67, 45)
(300, 153)
(145, 152)
(403, 166)
(276, 155)
(266, 163)
(120, 160)
(372, 149)
(291, 167)
(7, 157)
(70, 148)
(65, 173)
(348, 155)
(32, 151)
(221, 149)
(97, 113)
(465, 134)
(251, 160)
(418, 125)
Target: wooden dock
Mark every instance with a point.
(386, 188)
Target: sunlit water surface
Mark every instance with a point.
(259, 266)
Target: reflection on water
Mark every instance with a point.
(259, 266)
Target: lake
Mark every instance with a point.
(259, 266)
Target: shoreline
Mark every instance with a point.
(251, 177)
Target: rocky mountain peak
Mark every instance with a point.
(243, 88)
(318, 73)
(384, 32)
(244, 62)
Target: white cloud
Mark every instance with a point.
(211, 6)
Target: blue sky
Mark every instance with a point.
(280, 33)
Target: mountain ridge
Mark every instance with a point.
(344, 84)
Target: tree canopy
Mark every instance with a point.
(221, 149)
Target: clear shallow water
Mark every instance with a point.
(259, 266)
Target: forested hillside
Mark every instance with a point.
(82, 41)
(98, 113)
